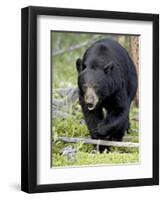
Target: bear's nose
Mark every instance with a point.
(89, 100)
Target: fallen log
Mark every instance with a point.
(63, 91)
(98, 142)
(71, 98)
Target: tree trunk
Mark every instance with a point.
(135, 57)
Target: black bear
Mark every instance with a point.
(107, 82)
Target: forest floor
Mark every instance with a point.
(77, 154)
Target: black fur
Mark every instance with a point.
(107, 65)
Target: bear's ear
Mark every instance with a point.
(79, 65)
(109, 67)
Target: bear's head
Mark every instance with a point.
(97, 84)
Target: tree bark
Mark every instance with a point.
(135, 57)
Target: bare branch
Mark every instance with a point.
(72, 48)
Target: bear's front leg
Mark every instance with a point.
(92, 119)
(113, 126)
(116, 121)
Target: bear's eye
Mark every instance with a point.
(95, 86)
(84, 87)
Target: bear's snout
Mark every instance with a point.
(91, 99)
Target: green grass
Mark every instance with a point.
(83, 158)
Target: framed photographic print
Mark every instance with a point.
(90, 99)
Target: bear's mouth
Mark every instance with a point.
(90, 106)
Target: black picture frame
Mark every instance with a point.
(29, 98)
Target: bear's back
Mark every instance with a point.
(103, 51)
